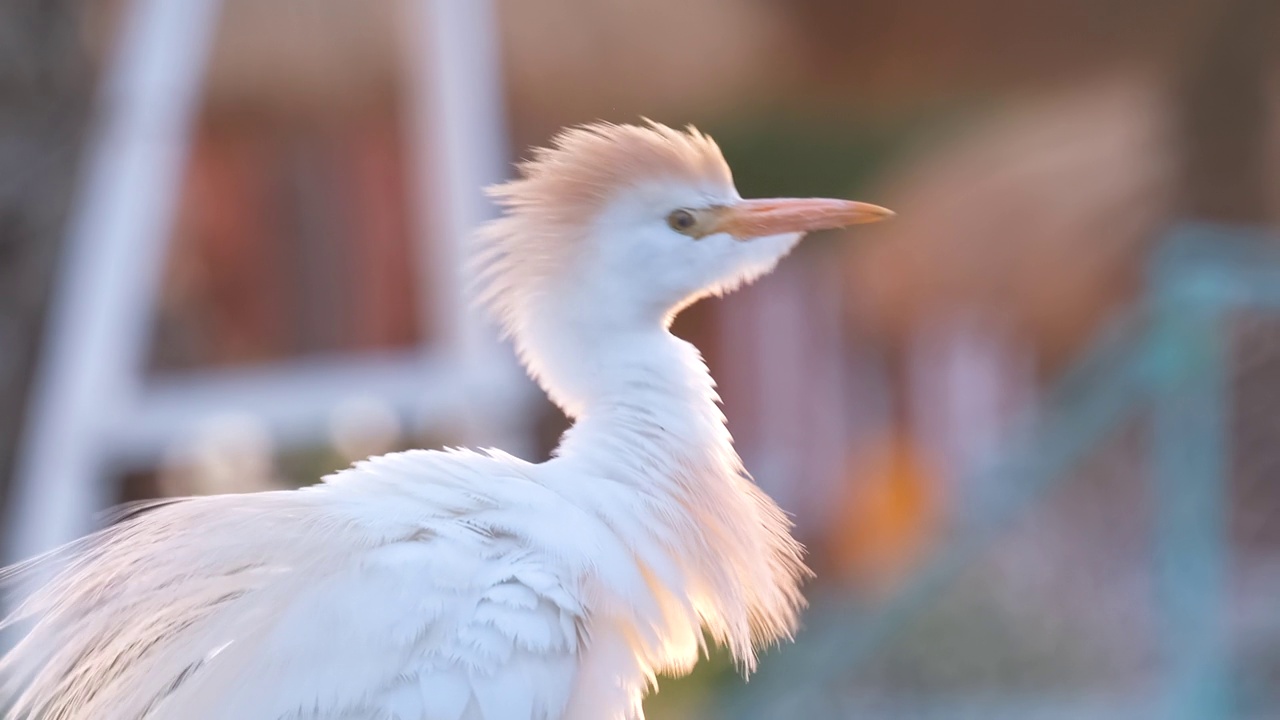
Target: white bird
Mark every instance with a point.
(461, 585)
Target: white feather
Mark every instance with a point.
(455, 585)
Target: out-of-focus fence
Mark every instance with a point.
(1168, 361)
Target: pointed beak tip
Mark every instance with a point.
(879, 214)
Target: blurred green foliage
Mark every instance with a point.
(797, 154)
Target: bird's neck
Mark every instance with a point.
(631, 389)
(652, 393)
(648, 426)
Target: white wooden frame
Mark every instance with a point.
(91, 408)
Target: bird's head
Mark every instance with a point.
(625, 224)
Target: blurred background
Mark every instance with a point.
(1029, 431)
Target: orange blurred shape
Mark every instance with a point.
(890, 515)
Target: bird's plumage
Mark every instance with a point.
(424, 585)
(416, 585)
(457, 585)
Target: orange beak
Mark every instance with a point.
(760, 218)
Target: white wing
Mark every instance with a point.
(376, 595)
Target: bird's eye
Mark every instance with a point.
(681, 220)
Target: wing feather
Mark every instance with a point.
(382, 594)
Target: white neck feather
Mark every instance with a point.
(647, 419)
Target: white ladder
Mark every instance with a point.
(91, 408)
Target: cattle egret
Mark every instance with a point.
(461, 585)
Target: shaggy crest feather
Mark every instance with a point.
(548, 208)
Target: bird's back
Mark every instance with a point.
(419, 586)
